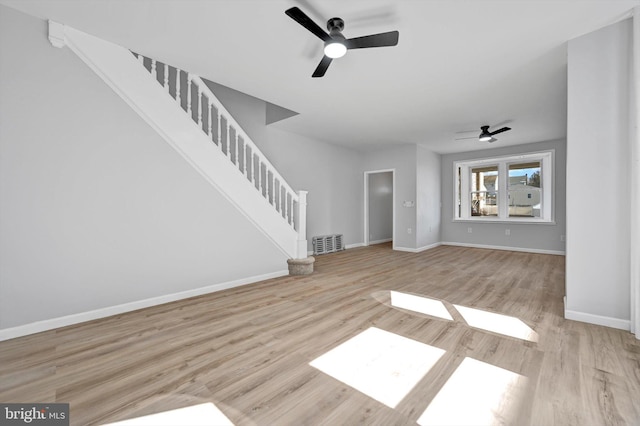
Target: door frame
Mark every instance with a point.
(366, 204)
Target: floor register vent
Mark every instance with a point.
(327, 244)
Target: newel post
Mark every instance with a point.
(302, 224)
(301, 265)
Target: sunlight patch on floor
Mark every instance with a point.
(477, 393)
(380, 364)
(196, 415)
(497, 323)
(424, 305)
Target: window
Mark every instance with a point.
(513, 188)
(524, 189)
(484, 191)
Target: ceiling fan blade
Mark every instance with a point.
(322, 67)
(383, 14)
(301, 18)
(504, 129)
(461, 136)
(374, 40)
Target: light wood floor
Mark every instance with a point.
(247, 350)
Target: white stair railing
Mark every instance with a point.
(195, 98)
(204, 134)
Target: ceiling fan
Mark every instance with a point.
(484, 136)
(335, 44)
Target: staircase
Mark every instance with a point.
(189, 117)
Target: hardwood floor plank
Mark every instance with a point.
(248, 350)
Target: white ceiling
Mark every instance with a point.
(458, 65)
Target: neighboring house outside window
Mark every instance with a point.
(515, 188)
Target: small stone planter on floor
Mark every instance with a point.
(301, 266)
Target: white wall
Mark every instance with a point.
(96, 209)
(428, 187)
(380, 208)
(598, 148)
(525, 236)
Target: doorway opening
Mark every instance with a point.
(379, 207)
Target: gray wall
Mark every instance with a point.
(598, 173)
(380, 208)
(543, 237)
(331, 174)
(403, 159)
(333, 177)
(97, 210)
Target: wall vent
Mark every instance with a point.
(327, 244)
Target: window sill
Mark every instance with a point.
(509, 221)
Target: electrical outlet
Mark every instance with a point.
(469, 230)
(507, 232)
(409, 230)
(562, 238)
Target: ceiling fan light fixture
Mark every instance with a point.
(335, 49)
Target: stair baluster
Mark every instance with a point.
(244, 157)
(235, 149)
(166, 77)
(199, 107)
(209, 118)
(154, 69)
(189, 96)
(287, 208)
(228, 140)
(178, 99)
(266, 184)
(253, 170)
(218, 142)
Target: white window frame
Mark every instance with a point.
(462, 212)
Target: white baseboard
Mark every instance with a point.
(40, 326)
(419, 249)
(522, 249)
(597, 319)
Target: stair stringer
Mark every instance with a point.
(122, 72)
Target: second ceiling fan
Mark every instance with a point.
(487, 136)
(336, 44)
(484, 136)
